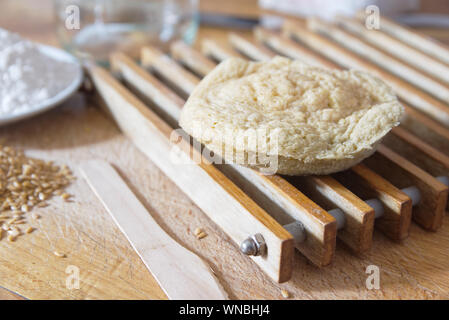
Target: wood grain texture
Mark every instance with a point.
(8, 295)
(429, 130)
(330, 194)
(357, 233)
(225, 204)
(399, 49)
(150, 54)
(192, 59)
(151, 86)
(279, 198)
(402, 173)
(384, 60)
(419, 152)
(414, 38)
(108, 267)
(291, 48)
(250, 48)
(368, 184)
(218, 51)
(417, 268)
(180, 273)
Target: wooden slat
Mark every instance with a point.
(367, 184)
(291, 48)
(250, 48)
(420, 100)
(439, 159)
(418, 152)
(388, 62)
(431, 131)
(277, 196)
(397, 48)
(225, 202)
(403, 173)
(413, 38)
(321, 228)
(169, 70)
(160, 93)
(218, 52)
(192, 59)
(169, 66)
(357, 233)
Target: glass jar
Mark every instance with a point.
(95, 28)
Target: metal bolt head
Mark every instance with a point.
(249, 247)
(253, 246)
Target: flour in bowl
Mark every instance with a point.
(28, 77)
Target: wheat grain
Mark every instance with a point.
(59, 254)
(65, 196)
(26, 183)
(35, 216)
(201, 235)
(285, 293)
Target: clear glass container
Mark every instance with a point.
(95, 28)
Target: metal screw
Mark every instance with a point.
(254, 245)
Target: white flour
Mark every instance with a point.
(28, 76)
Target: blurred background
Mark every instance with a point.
(127, 25)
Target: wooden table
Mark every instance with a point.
(110, 269)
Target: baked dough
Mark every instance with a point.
(310, 120)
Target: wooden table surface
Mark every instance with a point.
(417, 268)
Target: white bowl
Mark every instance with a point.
(54, 101)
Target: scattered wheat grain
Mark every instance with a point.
(198, 231)
(65, 196)
(59, 254)
(35, 216)
(12, 221)
(42, 204)
(285, 293)
(27, 182)
(201, 235)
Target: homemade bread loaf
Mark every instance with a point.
(305, 119)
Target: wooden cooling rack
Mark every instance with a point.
(405, 179)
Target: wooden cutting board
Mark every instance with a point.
(110, 269)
